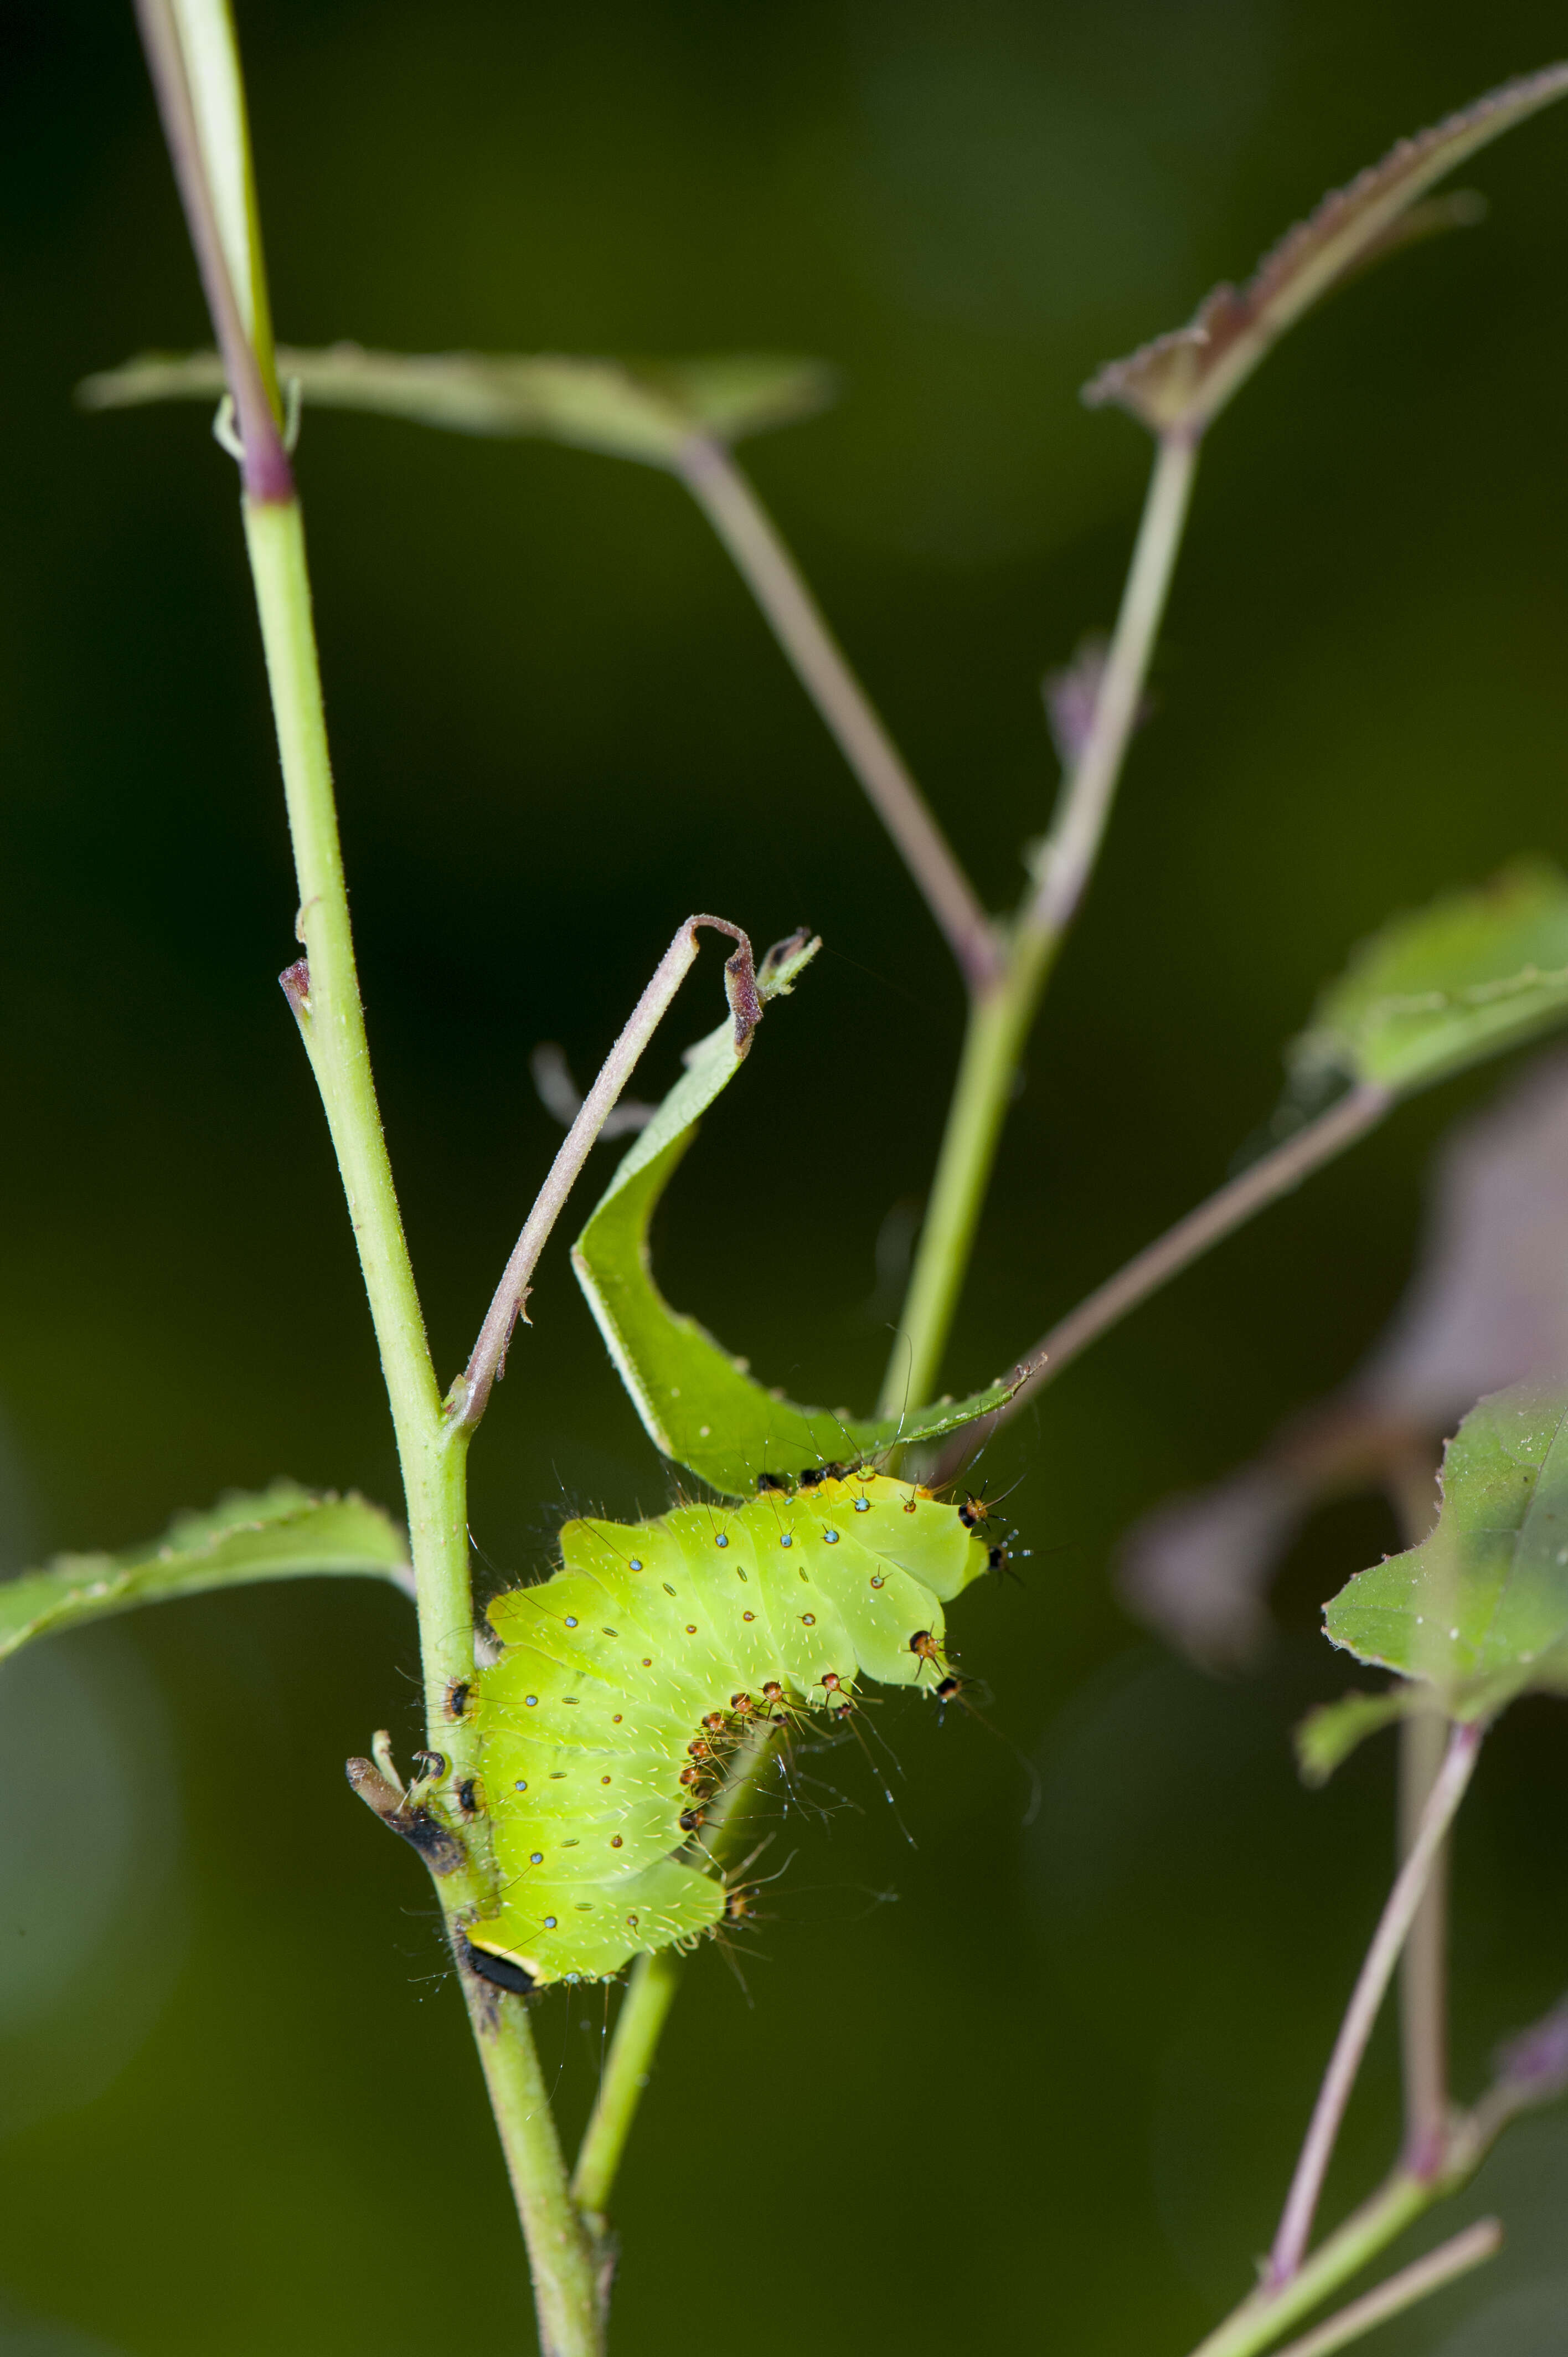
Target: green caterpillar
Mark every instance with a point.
(626, 1677)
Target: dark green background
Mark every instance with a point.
(1048, 2099)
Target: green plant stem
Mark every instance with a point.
(1418, 2281)
(332, 1021)
(1265, 2315)
(650, 1994)
(1066, 860)
(568, 2276)
(432, 1455)
(1004, 1006)
(204, 118)
(639, 2025)
(1000, 1016)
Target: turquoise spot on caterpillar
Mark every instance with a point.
(624, 1679)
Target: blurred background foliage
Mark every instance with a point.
(1049, 2097)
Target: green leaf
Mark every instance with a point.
(700, 1404)
(1327, 1736)
(284, 1534)
(1474, 973)
(647, 410)
(1479, 1610)
(1182, 379)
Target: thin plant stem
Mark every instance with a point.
(245, 342)
(1004, 1006)
(650, 1994)
(323, 990)
(487, 1362)
(1416, 2282)
(999, 1022)
(1066, 860)
(748, 531)
(629, 2066)
(325, 998)
(1229, 1208)
(1423, 1968)
(1371, 1984)
(568, 2276)
(1271, 2310)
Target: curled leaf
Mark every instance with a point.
(647, 410)
(1472, 975)
(283, 1534)
(1182, 380)
(701, 1405)
(1479, 1610)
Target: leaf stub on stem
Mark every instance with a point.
(442, 1851)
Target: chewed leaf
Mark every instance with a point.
(1184, 379)
(1474, 973)
(700, 1404)
(283, 1534)
(1327, 1736)
(1479, 1610)
(643, 410)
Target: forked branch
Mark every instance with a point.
(1418, 2281)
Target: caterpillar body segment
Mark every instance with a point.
(626, 1679)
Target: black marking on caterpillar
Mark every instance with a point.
(625, 1680)
(501, 1972)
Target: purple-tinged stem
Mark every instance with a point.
(268, 476)
(1371, 1985)
(1231, 1207)
(769, 572)
(471, 1395)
